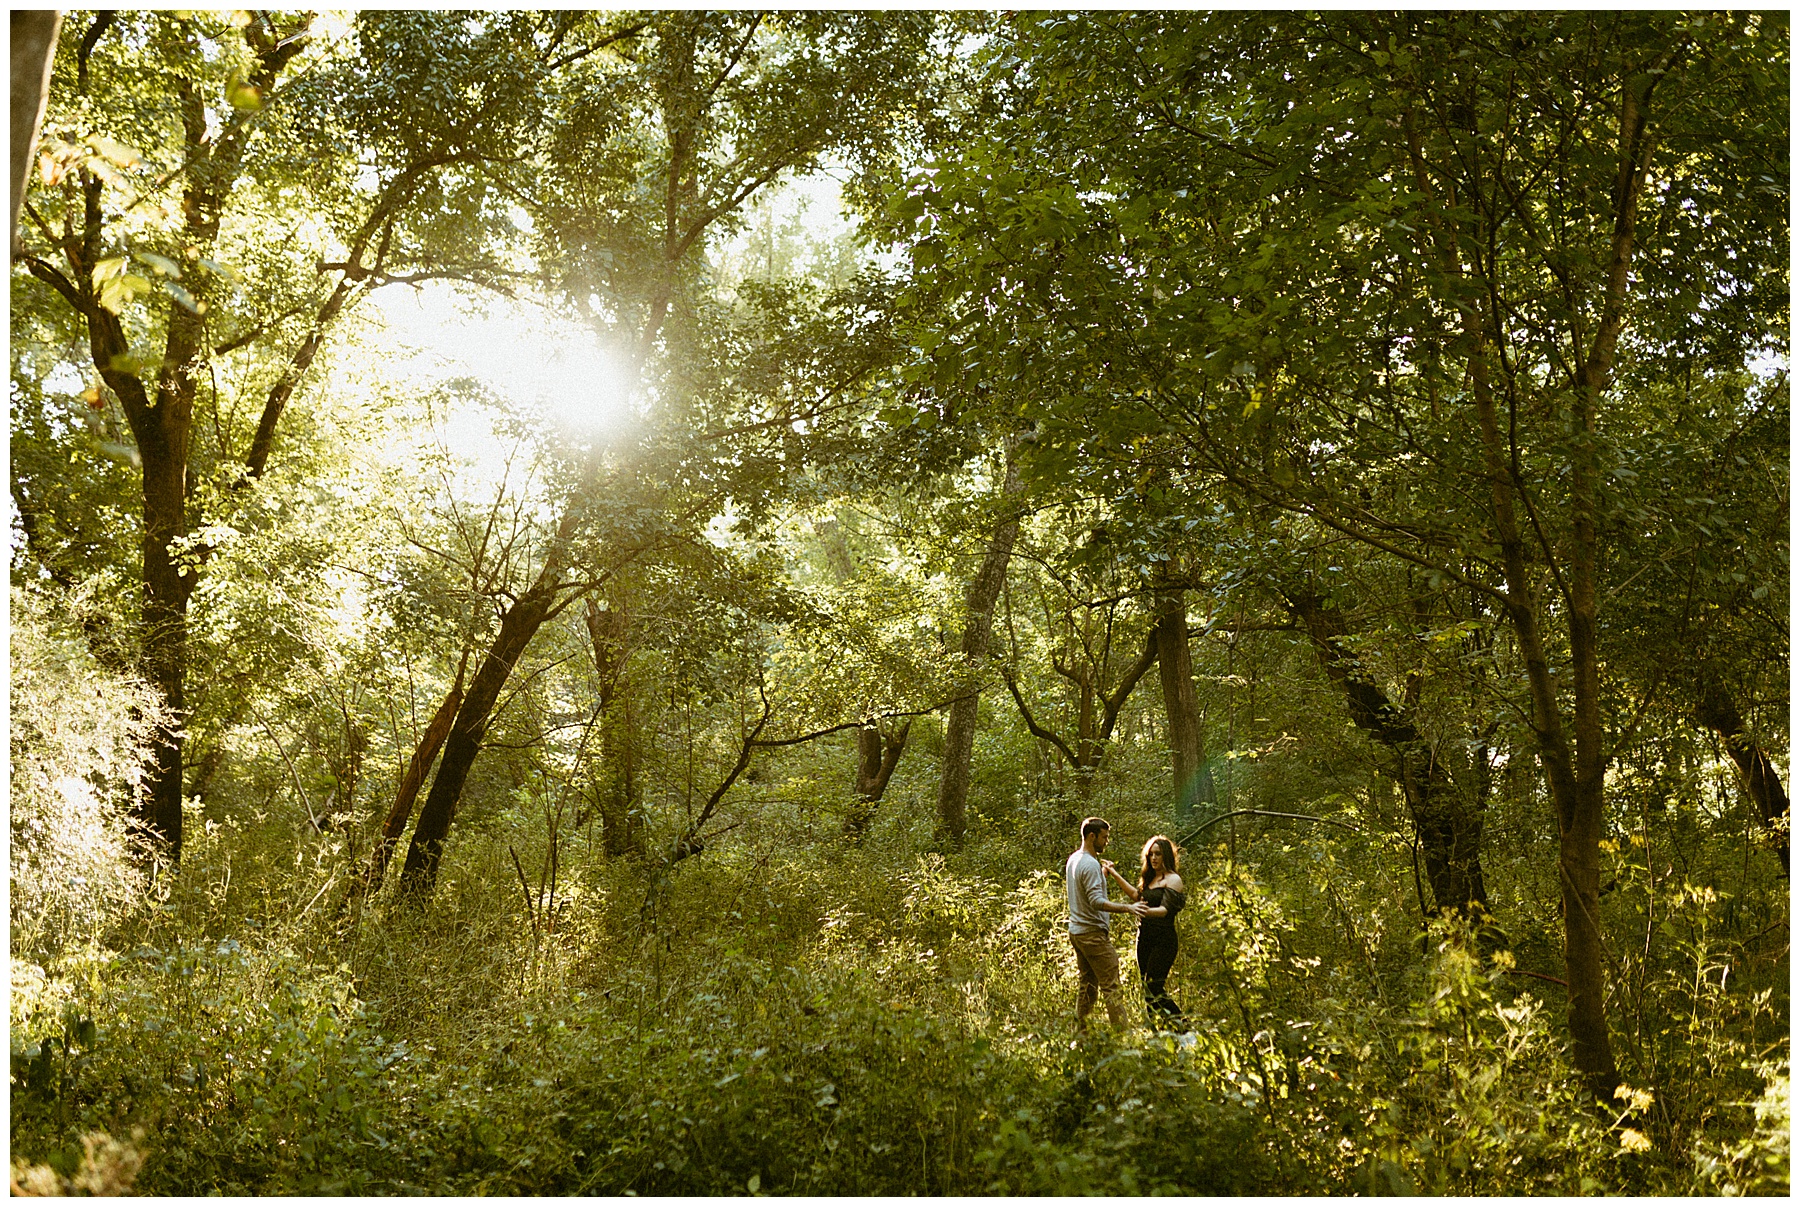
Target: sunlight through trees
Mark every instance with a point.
(576, 574)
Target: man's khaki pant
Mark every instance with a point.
(1098, 964)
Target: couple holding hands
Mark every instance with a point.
(1155, 900)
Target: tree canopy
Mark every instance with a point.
(548, 660)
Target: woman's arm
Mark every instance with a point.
(1110, 870)
(1121, 907)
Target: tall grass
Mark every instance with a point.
(796, 1012)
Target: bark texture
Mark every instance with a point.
(1718, 712)
(517, 627)
(1578, 799)
(1447, 820)
(1187, 747)
(983, 594)
(878, 751)
(33, 51)
(408, 792)
(877, 754)
(621, 814)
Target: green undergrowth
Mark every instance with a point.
(882, 1024)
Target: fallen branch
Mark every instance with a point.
(1207, 825)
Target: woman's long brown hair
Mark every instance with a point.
(1171, 859)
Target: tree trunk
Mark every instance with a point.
(1193, 779)
(1087, 751)
(878, 754)
(1092, 736)
(1448, 822)
(410, 783)
(621, 816)
(161, 428)
(1581, 796)
(984, 592)
(621, 809)
(164, 614)
(522, 621)
(1718, 712)
(1578, 800)
(517, 627)
(1574, 763)
(33, 51)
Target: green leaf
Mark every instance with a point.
(909, 207)
(114, 295)
(224, 270)
(117, 292)
(244, 97)
(185, 298)
(114, 152)
(161, 265)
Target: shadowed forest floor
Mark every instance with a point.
(792, 1013)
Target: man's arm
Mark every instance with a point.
(1095, 885)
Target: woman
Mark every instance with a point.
(1160, 888)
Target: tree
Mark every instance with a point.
(198, 139)
(621, 797)
(1699, 528)
(33, 51)
(978, 605)
(1084, 596)
(97, 288)
(1447, 816)
(1181, 705)
(739, 101)
(1328, 244)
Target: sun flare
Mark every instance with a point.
(529, 358)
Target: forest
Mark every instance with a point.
(576, 574)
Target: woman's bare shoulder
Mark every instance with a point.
(1173, 880)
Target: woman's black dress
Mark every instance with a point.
(1157, 944)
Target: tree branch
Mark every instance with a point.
(576, 56)
(103, 21)
(1037, 731)
(878, 716)
(1116, 702)
(1211, 822)
(755, 23)
(48, 274)
(689, 844)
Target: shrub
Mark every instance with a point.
(252, 1070)
(79, 736)
(108, 1167)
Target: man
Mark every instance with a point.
(1085, 878)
